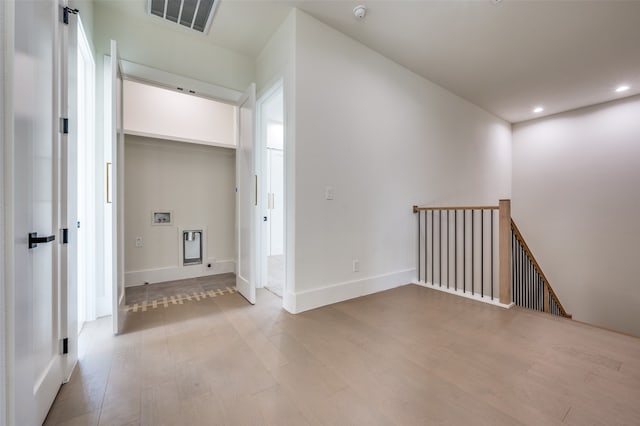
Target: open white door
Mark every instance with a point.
(33, 237)
(247, 210)
(117, 190)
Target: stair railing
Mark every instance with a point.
(457, 250)
(530, 286)
(474, 252)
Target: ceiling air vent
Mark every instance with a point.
(194, 14)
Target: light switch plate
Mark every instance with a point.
(328, 193)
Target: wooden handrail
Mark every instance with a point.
(417, 209)
(547, 286)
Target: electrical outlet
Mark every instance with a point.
(356, 265)
(139, 242)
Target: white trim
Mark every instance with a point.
(178, 139)
(467, 294)
(88, 213)
(315, 298)
(167, 80)
(262, 168)
(5, 194)
(7, 338)
(173, 273)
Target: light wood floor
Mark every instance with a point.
(406, 356)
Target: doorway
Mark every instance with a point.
(179, 195)
(86, 182)
(247, 207)
(271, 134)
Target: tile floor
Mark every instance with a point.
(178, 289)
(407, 356)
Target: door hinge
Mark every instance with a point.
(65, 14)
(65, 346)
(64, 125)
(65, 236)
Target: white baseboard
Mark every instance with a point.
(467, 294)
(135, 278)
(315, 298)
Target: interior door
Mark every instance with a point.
(36, 349)
(69, 194)
(117, 195)
(247, 208)
(276, 209)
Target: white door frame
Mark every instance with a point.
(67, 196)
(261, 146)
(6, 141)
(152, 76)
(276, 84)
(89, 223)
(113, 83)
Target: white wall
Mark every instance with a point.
(384, 139)
(162, 113)
(174, 50)
(196, 183)
(159, 46)
(276, 59)
(575, 198)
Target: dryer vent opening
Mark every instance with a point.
(194, 14)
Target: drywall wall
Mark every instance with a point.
(276, 59)
(575, 198)
(163, 46)
(156, 112)
(197, 184)
(383, 139)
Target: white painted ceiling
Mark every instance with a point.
(507, 57)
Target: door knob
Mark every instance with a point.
(34, 240)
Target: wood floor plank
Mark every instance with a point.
(406, 356)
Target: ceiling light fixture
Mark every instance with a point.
(538, 110)
(622, 88)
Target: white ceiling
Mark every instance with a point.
(507, 57)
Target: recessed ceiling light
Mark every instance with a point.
(538, 110)
(622, 88)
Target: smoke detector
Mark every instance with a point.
(360, 11)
